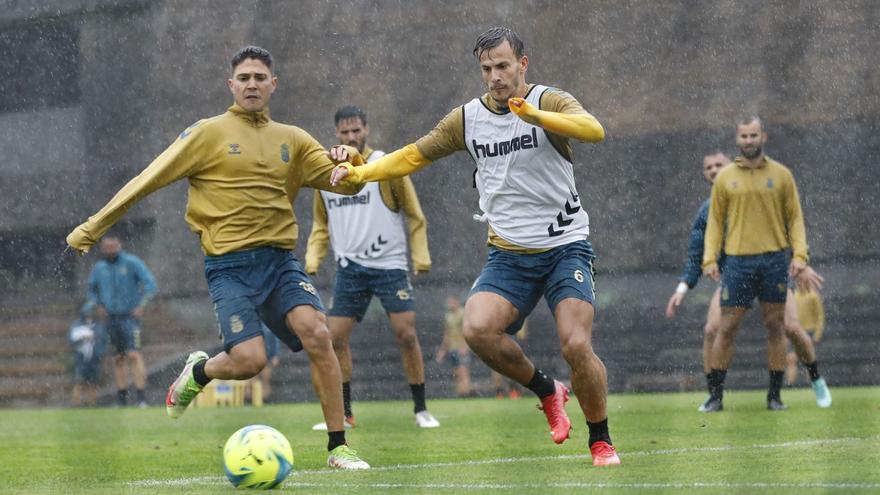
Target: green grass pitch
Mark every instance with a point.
(483, 446)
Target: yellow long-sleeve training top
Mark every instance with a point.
(398, 195)
(244, 172)
(761, 210)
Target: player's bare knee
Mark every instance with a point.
(576, 346)
(317, 339)
(312, 331)
(710, 330)
(478, 337)
(793, 330)
(480, 329)
(407, 339)
(247, 364)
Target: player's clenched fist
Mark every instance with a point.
(80, 240)
(343, 153)
(523, 110)
(344, 172)
(712, 272)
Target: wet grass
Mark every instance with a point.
(483, 446)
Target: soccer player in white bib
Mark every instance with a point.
(369, 242)
(518, 135)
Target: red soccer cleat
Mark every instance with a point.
(604, 454)
(554, 408)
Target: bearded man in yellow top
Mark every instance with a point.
(755, 216)
(244, 171)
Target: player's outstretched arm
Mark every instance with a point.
(174, 163)
(580, 126)
(400, 163)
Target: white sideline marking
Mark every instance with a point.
(508, 460)
(650, 486)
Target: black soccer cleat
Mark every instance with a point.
(775, 404)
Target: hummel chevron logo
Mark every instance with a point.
(373, 248)
(562, 222)
(553, 233)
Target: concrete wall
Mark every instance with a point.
(667, 79)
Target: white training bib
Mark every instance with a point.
(527, 189)
(364, 230)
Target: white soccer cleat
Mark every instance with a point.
(348, 423)
(425, 419)
(823, 395)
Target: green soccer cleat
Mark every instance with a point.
(184, 389)
(823, 395)
(343, 457)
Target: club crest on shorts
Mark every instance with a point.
(403, 294)
(308, 288)
(235, 324)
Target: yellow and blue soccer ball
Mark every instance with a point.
(257, 456)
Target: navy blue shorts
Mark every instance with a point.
(356, 285)
(271, 342)
(255, 285)
(764, 276)
(124, 332)
(560, 273)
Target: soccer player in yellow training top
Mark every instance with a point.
(244, 171)
(755, 217)
(518, 134)
(713, 163)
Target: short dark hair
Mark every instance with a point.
(494, 37)
(716, 151)
(254, 52)
(350, 112)
(749, 119)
